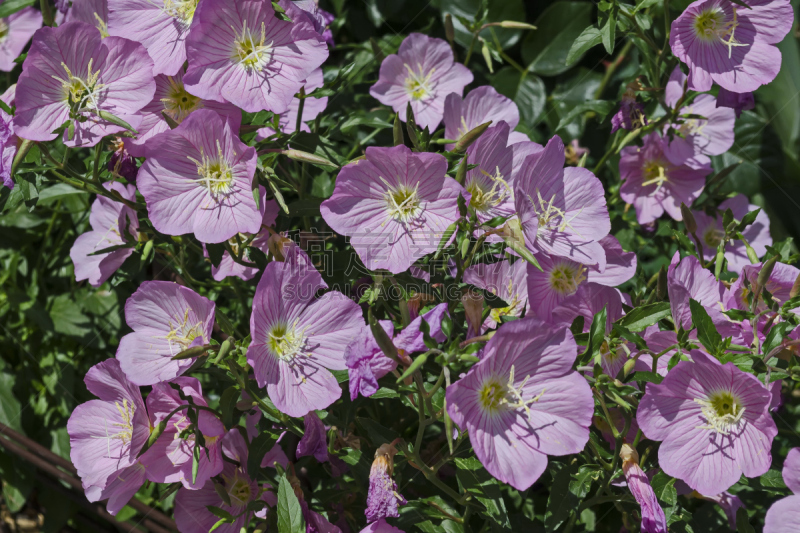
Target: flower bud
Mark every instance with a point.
(795, 287)
(449, 30)
(305, 157)
(515, 25)
(766, 271)
(470, 137)
(473, 309)
(688, 218)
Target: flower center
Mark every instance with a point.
(713, 236)
(215, 173)
(418, 83)
(485, 195)
(178, 103)
(712, 25)
(285, 341)
(239, 490)
(79, 92)
(403, 203)
(722, 411)
(126, 411)
(550, 217)
(495, 395)
(3, 29)
(181, 334)
(181, 10)
(251, 51)
(655, 173)
(565, 278)
(611, 356)
(101, 25)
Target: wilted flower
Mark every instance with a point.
(737, 101)
(654, 184)
(784, 515)
(315, 439)
(482, 104)
(631, 113)
(319, 18)
(505, 280)
(383, 497)
(423, 73)
(121, 163)
(713, 421)
(111, 75)
(395, 206)
(574, 152)
(297, 338)
(710, 230)
(106, 436)
(173, 100)
(198, 179)
(653, 519)
(8, 148)
(523, 401)
(174, 449)
(711, 135)
(166, 319)
(15, 32)
(113, 224)
(733, 46)
(312, 107)
(242, 53)
(562, 211)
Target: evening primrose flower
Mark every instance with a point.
(711, 232)
(713, 422)
(784, 515)
(166, 319)
(107, 434)
(523, 402)
(240, 52)
(173, 100)
(423, 72)
(312, 107)
(562, 211)
(395, 205)
(198, 179)
(737, 101)
(724, 43)
(113, 224)
(112, 75)
(482, 104)
(654, 184)
(490, 183)
(92, 12)
(162, 27)
(297, 338)
(175, 450)
(505, 280)
(15, 32)
(383, 497)
(8, 148)
(381, 526)
(631, 113)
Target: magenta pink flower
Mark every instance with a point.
(631, 113)
(523, 402)
(710, 230)
(107, 434)
(395, 206)
(653, 184)
(172, 99)
(242, 53)
(505, 280)
(170, 457)
(381, 526)
(713, 421)
(423, 73)
(8, 148)
(297, 338)
(737, 101)
(15, 32)
(166, 319)
(784, 515)
(198, 179)
(162, 27)
(113, 224)
(312, 107)
(481, 105)
(730, 45)
(72, 72)
(562, 211)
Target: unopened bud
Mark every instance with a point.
(449, 30)
(381, 337)
(277, 245)
(473, 309)
(515, 25)
(305, 157)
(189, 353)
(766, 271)
(628, 367)
(471, 136)
(487, 56)
(661, 286)
(688, 219)
(795, 287)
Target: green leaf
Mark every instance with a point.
(545, 50)
(466, 10)
(609, 32)
(649, 377)
(742, 522)
(227, 405)
(474, 479)
(258, 449)
(562, 500)
(10, 408)
(597, 331)
(707, 332)
(9, 7)
(664, 488)
(776, 335)
(647, 315)
(600, 107)
(587, 40)
(68, 318)
(290, 515)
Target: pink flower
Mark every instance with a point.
(381, 526)
(784, 515)
(423, 73)
(71, 73)
(395, 206)
(312, 107)
(92, 12)
(15, 32)
(730, 45)
(113, 224)
(198, 179)
(523, 402)
(505, 280)
(297, 338)
(481, 105)
(166, 319)
(242, 53)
